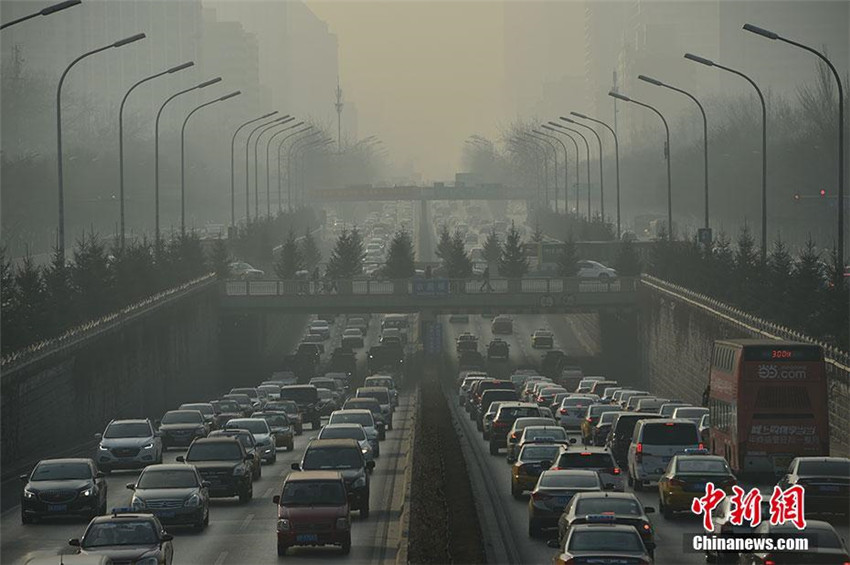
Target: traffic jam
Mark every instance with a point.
(604, 468)
(202, 455)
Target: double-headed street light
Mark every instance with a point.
(120, 43)
(268, 168)
(587, 163)
(566, 172)
(43, 12)
(289, 166)
(183, 155)
(667, 153)
(551, 126)
(542, 137)
(156, 149)
(601, 179)
(170, 71)
(535, 141)
(841, 156)
(233, 166)
(277, 123)
(710, 63)
(616, 159)
(247, 181)
(279, 159)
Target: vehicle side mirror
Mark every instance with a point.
(205, 484)
(276, 499)
(131, 486)
(553, 543)
(370, 465)
(181, 459)
(649, 510)
(98, 437)
(296, 466)
(99, 475)
(74, 542)
(157, 434)
(167, 537)
(249, 457)
(572, 440)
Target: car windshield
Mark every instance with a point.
(228, 405)
(670, 434)
(53, 471)
(218, 451)
(569, 480)
(576, 402)
(824, 468)
(364, 419)
(539, 453)
(313, 493)
(702, 466)
(690, 412)
(336, 458)
(380, 395)
(167, 478)
(667, 409)
(249, 391)
(254, 425)
(622, 506)
(379, 382)
(607, 417)
(586, 460)
(127, 429)
(363, 404)
(276, 420)
(187, 417)
(202, 408)
(548, 433)
(346, 432)
(287, 406)
(299, 395)
(120, 532)
(597, 409)
(605, 541)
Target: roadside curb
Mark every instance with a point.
(404, 521)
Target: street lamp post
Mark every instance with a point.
(289, 167)
(550, 127)
(268, 167)
(120, 43)
(540, 135)
(247, 180)
(566, 172)
(536, 141)
(284, 120)
(43, 12)
(533, 151)
(667, 154)
(233, 166)
(172, 70)
(279, 175)
(841, 156)
(587, 163)
(156, 151)
(183, 155)
(710, 63)
(616, 159)
(601, 179)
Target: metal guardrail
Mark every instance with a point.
(426, 287)
(88, 330)
(747, 321)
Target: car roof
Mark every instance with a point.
(610, 527)
(589, 449)
(135, 516)
(353, 410)
(696, 457)
(314, 476)
(371, 389)
(221, 436)
(131, 421)
(66, 460)
(332, 443)
(823, 459)
(166, 467)
(665, 421)
(608, 494)
(292, 387)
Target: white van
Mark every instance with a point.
(654, 443)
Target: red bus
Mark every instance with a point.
(768, 403)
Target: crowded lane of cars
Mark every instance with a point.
(646, 452)
(206, 495)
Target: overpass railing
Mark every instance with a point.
(427, 287)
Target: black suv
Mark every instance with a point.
(345, 456)
(224, 464)
(307, 399)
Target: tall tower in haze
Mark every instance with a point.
(338, 116)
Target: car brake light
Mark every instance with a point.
(513, 435)
(677, 482)
(539, 399)
(639, 448)
(585, 453)
(589, 420)
(647, 527)
(615, 470)
(563, 410)
(769, 562)
(639, 453)
(701, 446)
(539, 496)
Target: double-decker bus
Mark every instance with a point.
(768, 403)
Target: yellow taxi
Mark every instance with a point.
(686, 477)
(529, 464)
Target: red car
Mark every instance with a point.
(313, 509)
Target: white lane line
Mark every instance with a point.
(221, 557)
(246, 521)
(268, 492)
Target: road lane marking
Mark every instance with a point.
(221, 557)
(245, 522)
(268, 492)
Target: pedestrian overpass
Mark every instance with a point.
(531, 295)
(420, 193)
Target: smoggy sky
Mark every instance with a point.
(424, 75)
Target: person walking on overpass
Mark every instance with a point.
(486, 280)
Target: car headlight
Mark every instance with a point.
(29, 494)
(359, 483)
(364, 450)
(193, 501)
(148, 561)
(137, 503)
(238, 470)
(148, 446)
(283, 525)
(100, 447)
(342, 524)
(87, 492)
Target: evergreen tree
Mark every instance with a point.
(805, 291)
(133, 272)
(722, 261)
(513, 263)
(32, 320)
(746, 270)
(8, 304)
(91, 278)
(290, 260)
(836, 302)
(780, 265)
(219, 260)
(492, 247)
(59, 295)
(568, 259)
(346, 259)
(628, 263)
(537, 235)
(310, 250)
(459, 265)
(400, 257)
(444, 246)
